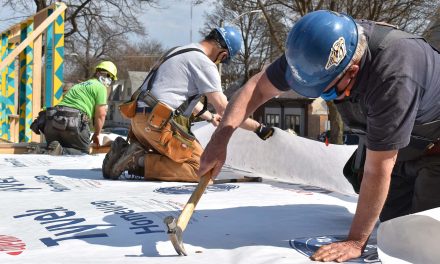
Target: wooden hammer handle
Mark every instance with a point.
(188, 210)
(244, 179)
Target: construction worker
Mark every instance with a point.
(386, 84)
(162, 145)
(67, 124)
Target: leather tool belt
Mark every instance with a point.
(174, 139)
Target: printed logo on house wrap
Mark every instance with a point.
(10, 184)
(188, 189)
(11, 245)
(56, 187)
(308, 246)
(64, 224)
(306, 189)
(15, 162)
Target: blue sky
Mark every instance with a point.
(170, 25)
(7, 15)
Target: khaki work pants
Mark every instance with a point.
(159, 166)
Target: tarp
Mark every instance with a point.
(411, 238)
(287, 157)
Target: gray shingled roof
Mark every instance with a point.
(136, 78)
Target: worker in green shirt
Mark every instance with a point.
(67, 124)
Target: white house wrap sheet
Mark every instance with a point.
(59, 209)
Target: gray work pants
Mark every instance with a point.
(415, 187)
(75, 139)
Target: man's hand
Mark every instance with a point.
(214, 156)
(95, 139)
(339, 251)
(264, 132)
(215, 121)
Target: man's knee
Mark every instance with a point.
(162, 168)
(427, 185)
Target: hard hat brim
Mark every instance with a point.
(113, 77)
(303, 88)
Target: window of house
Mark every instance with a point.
(273, 120)
(293, 122)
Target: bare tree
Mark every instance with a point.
(123, 13)
(92, 44)
(409, 15)
(432, 34)
(139, 56)
(127, 55)
(259, 45)
(94, 30)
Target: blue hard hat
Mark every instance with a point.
(232, 38)
(318, 48)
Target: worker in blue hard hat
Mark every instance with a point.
(386, 85)
(162, 146)
(230, 38)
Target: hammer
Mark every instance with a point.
(176, 228)
(244, 179)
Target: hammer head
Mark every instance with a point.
(175, 235)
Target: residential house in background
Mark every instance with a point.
(121, 92)
(291, 111)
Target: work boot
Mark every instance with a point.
(119, 145)
(128, 160)
(54, 148)
(135, 173)
(36, 148)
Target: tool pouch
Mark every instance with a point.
(39, 123)
(64, 118)
(159, 116)
(181, 145)
(353, 173)
(59, 122)
(354, 168)
(175, 143)
(173, 139)
(69, 123)
(128, 109)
